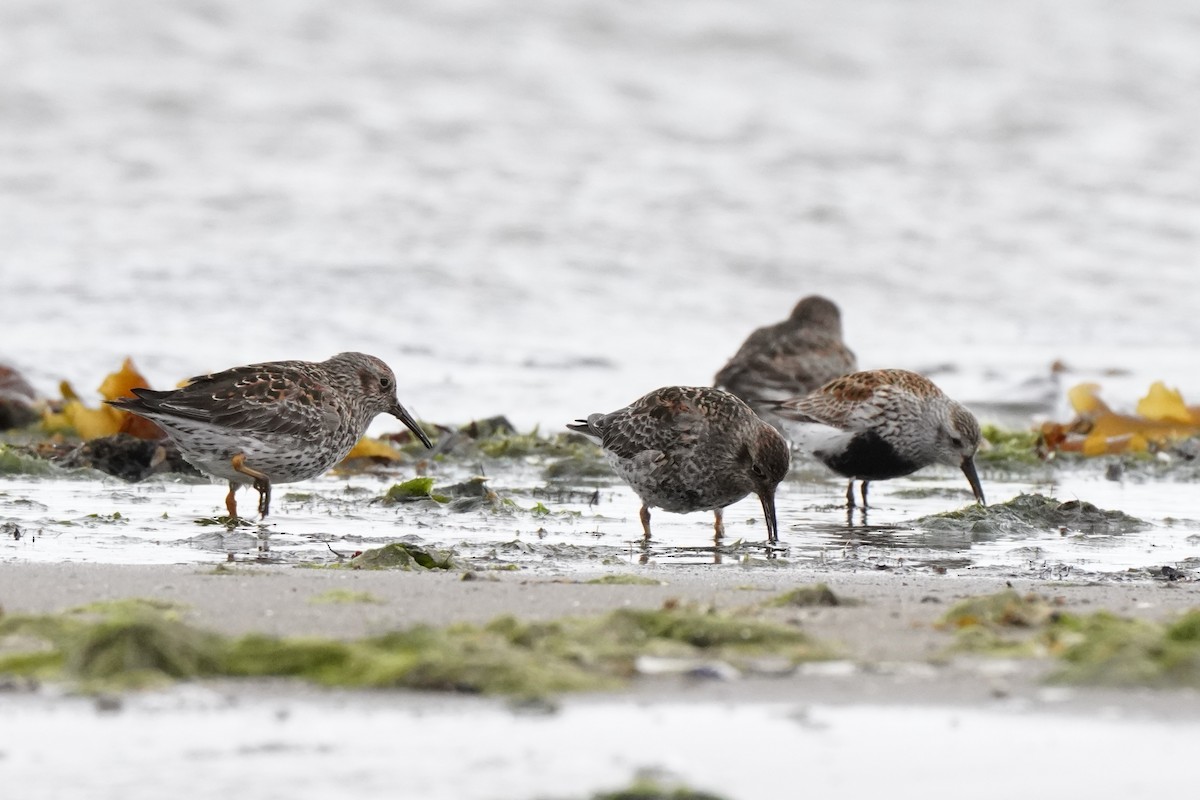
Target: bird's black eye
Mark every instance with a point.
(956, 443)
(385, 382)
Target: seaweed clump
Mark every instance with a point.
(403, 555)
(1004, 623)
(809, 597)
(1009, 449)
(1100, 649)
(1030, 513)
(1107, 650)
(625, 579)
(644, 788)
(124, 647)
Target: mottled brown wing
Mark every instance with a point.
(661, 422)
(775, 364)
(850, 402)
(806, 365)
(752, 356)
(251, 398)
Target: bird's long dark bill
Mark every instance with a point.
(399, 412)
(968, 468)
(768, 504)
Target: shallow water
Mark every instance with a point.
(541, 526)
(543, 211)
(323, 747)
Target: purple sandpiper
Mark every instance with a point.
(788, 359)
(882, 424)
(686, 449)
(276, 422)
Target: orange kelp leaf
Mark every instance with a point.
(1085, 399)
(1162, 416)
(93, 423)
(1099, 445)
(140, 427)
(373, 448)
(1125, 433)
(1165, 405)
(122, 382)
(1057, 437)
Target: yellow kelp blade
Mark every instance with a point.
(1165, 405)
(94, 423)
(373, 448)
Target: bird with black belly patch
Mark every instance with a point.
(881, 424)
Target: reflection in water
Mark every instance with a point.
(160, 521)
(650, 552)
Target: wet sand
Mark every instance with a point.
(895, 714)
(891, 649)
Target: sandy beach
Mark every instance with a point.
(888, 633)
(895, 696)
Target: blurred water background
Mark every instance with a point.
(544, 208)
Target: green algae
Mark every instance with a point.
(112, 647)
(1107, 650)
(142, 650)
(1003, 624)
(410, 491)
(932, 492)
(808, 597)
(122, 644)
(625, 579)
(344, 596)
(15, 462)
(1098, 649)
(650, 789)
(496, 438)
(1007, 609)
(127, 606)
(401, 555)
(228, 569)
(532, 444)
(1031, 513)
(1009, 449)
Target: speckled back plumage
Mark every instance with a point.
(685, 448)
(291, 419)
(789, 358)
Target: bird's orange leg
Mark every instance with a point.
(261, 483)
(719, 523)
(645, 517)
(231, 501)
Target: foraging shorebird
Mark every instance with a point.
(275, 422)
(686, 449)
(881, 424)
